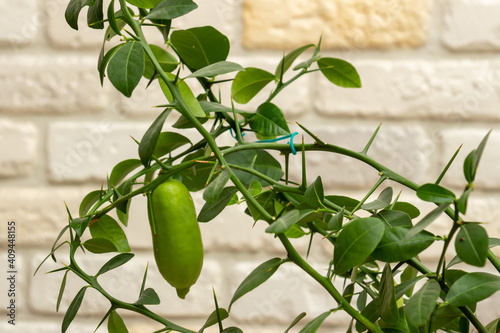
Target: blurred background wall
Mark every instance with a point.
(431, 75)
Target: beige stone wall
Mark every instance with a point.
(430, 73)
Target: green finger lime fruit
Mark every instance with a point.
(177, 244)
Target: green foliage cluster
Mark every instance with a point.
(375, 242)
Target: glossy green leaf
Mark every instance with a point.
(371, 312)
(114, 28)
(472, 288)
(168, 142)
(99, 245)
(171, 9)
(269, 122)
(356, 242)
(144, 3)
(394, 246)
(196, 177)
(343, 201)
(89, 200)
(215, 188)
(394, 218)
(73, 11)
(248, 83)
(115, 262)
(260, 161)
(407, 208)
(148, 297)
(95, 15)
(295, 321)
(210, 210)
(255, 187)
(79, 225)
(149, 140)
(435, 193)
(383, 200)
(472, 161)
(405, 287)
(314, 194)
(285, 221)
(387, 295)
(315, 324)
(420, 306)
(106, 227)
(444, 315)
(339, 72)
(116, 324)
(257, 277)
(126, 67)
(61, 290)
(408, 273)
(471, 244)
(493, 326)
(186, 94)
(336, 221)
(211, 107)
(104, 61)
(73, 309)
(168, 62)
(289, 58)
(463, 200)
(232, 329)
(213, 318)
(122, 169)
(201, 46)
(427, 220)
(219, 68)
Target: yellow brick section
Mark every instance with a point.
(285, 24)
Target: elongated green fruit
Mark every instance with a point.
(177, 243)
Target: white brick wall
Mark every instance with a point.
(430, 74)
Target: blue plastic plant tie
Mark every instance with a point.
(233, 135)
(291, 136)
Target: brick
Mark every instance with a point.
(487, 176)
(18, 143)
(89, 150)
(343, 24)
(39, 212)
(50, 84)
(21, 23)
(403, 149)
(471, 25)
(452, 91)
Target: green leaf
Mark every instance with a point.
(406, 286)
(80, 224)
(73, 11)
(295, 321)
(260, 161)
(114, 28)
(383, 200)
(95, 15)
(420, 306)
(287, 220)
(371, 312)
(463, 200)
(343, 201)
(408, 273)
(73, 309)
(257, 277)
(210, 107)
(493, 326)
(427, 220)
(201, 46)
(126, 67)
(248, 83)
(339, 72)
(210, 210)
(122, 169)
(394, 218)
(116, 324)
(287, 61)
(314, 194)
(196, 177)
(232, 329)
(471, 244)
(472, 288)
(269, 122)
(183, 122)
(315, 324)
(171, 9)
(476, 158)
(106, 227)
(388, 306)
(469, 168)
(144, 3)
(104, 61)
(219, 68)
(255, 188)
(213, 318)
(336, 221)
(168, 142)
(168, 62)
(394, 247)
(99, 245)
(149, 140)
(444, 315)
(61, 290)
(435, 193)
(407, 208)
(356, 242)
(186, 94)
(89, 200)
(148, 297)
(115, 262)
(214, 190)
